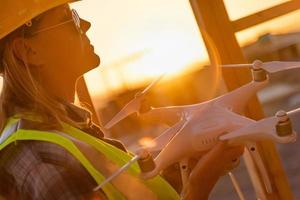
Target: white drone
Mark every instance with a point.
(200, 126)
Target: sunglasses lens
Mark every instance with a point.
(76, 20)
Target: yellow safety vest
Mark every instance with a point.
(157, 185)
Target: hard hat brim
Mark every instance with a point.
(15, 13)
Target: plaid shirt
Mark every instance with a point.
(41, 170)
(36, 170)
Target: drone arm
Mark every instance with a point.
(238, 98)
(258, 130)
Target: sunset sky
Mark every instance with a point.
(161, 35)
(138, 39)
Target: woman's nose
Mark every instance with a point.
(85, 25)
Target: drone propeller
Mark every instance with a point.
(152, 84)
(133, 106)
(270, 67)
(162, 140)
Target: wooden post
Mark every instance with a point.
(213, 20)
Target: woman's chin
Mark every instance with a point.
(97, 60)
(92, 63)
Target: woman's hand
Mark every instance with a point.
(209, 168)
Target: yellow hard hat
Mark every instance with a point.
(15, 13)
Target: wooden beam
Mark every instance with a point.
(215, 24)
(265, 15)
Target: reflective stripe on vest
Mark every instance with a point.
(158, 185)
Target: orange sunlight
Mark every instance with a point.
(147, 142)
(139, 40)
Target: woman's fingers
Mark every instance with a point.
(208, 164)
(210, 167)
(219, 158)
(231, 158)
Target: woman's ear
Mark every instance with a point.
(25, 52)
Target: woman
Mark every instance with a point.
(49, 148)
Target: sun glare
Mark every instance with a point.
(169, 53)
(140, 42)
(147, 142)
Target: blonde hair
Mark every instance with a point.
(22, 94)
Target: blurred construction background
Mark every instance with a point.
(139, 40)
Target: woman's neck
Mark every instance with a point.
(64, 90)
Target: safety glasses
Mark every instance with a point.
(75, 19)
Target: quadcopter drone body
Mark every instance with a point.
(201, 126)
